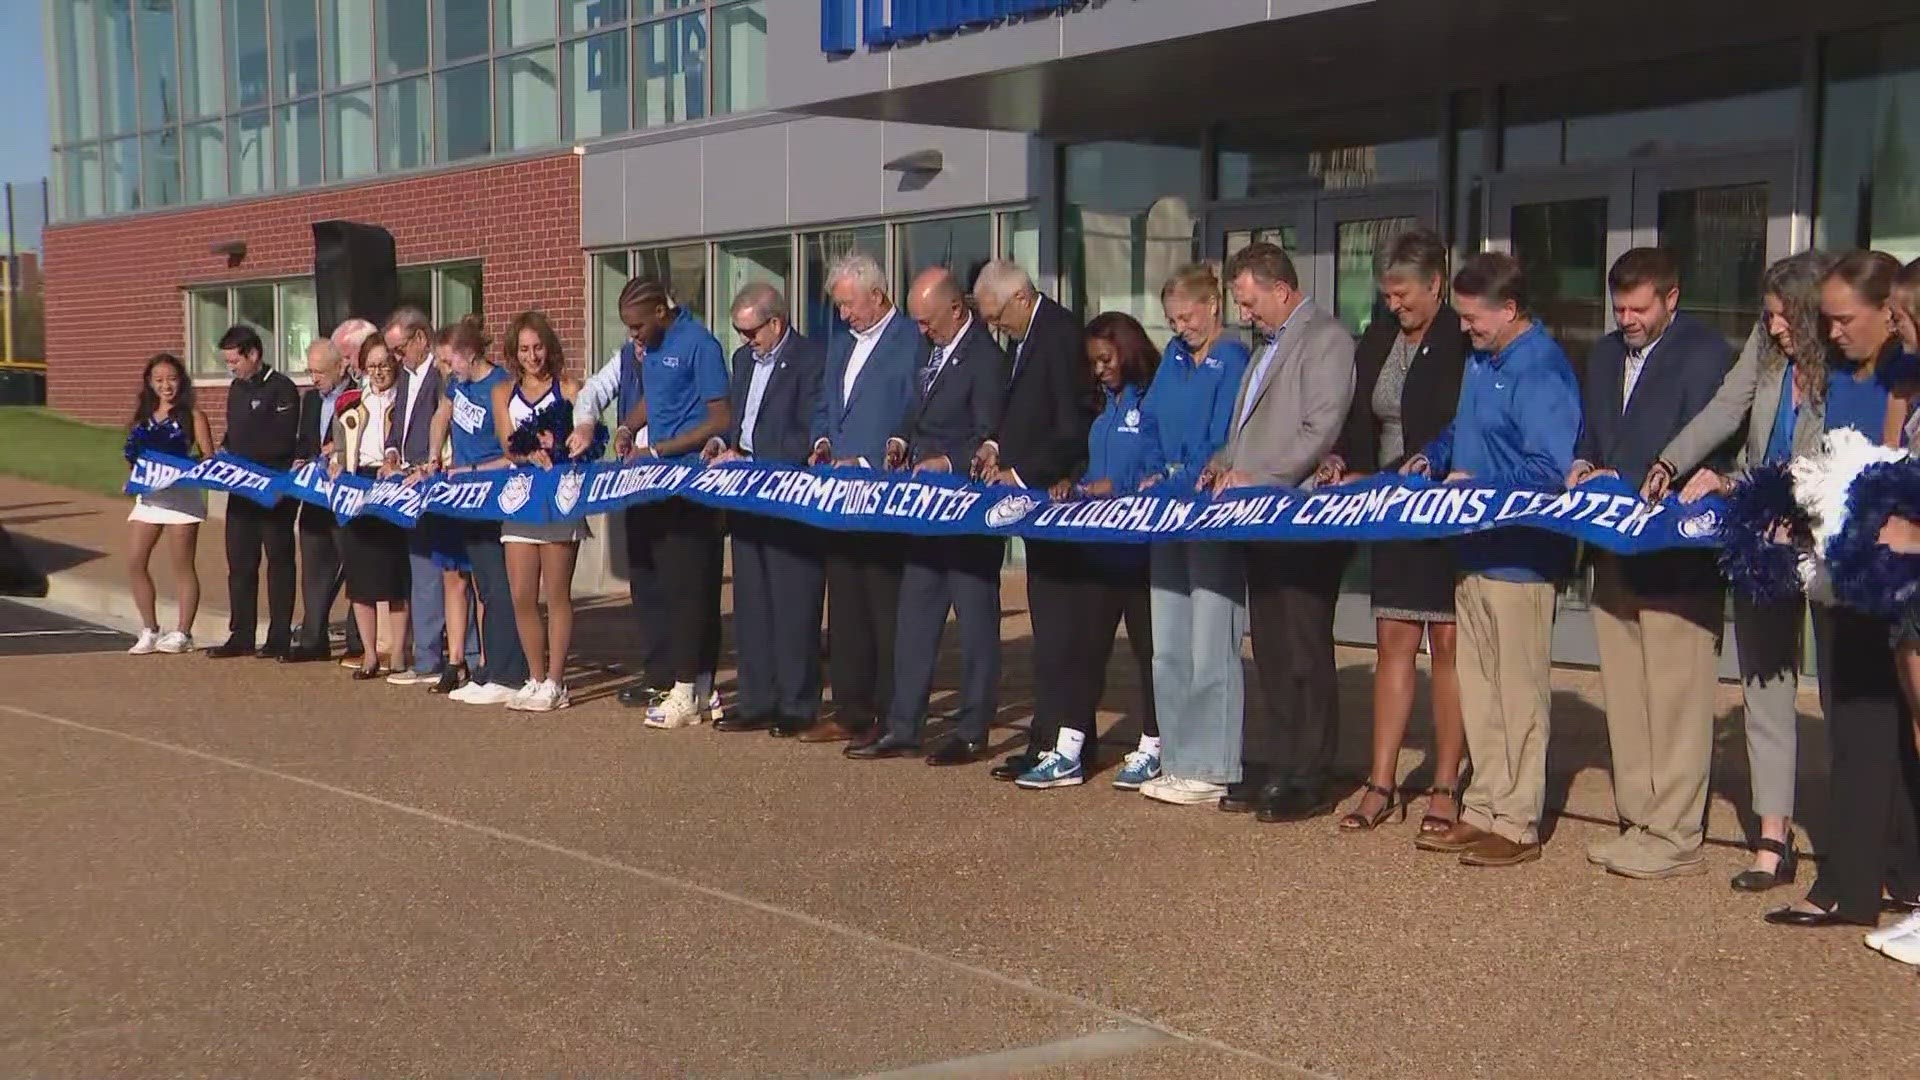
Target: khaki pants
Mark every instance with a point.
(1658, 673)
(1505, 663)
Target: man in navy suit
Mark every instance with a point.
(864, 397)
(958, 395)
(1656, 617)
(778, 582)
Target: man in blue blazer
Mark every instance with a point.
(864, 397)
(1657, 617)
(958, 396)
(778, 583)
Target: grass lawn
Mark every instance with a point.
(39, 444)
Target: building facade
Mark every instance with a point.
(1102, 144)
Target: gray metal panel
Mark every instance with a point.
(1010, 45)
(833, 169)
(1122, 24)
(663, 184)
(746, 179)
(797, 71)
(1016, 167)
(603, 193)
(962, 181)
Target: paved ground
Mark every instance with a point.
(242, 868)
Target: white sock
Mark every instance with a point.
(1069, 743)
(685, 688)
(1150, 745)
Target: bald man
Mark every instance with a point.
(958, 394)
(320, 562)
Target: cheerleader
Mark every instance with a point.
(165, 421)
(374, 551)
(533, 416)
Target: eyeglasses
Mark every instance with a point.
(745, 332)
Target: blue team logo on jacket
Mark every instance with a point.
(515, 493)
(1131, 421)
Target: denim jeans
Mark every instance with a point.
(1199, 612)
(506, 662)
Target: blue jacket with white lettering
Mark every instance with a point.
(1517, 423)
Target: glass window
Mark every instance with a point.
(246, 53)
(76, 37)
(406, 124)
(298, 136)
(296, 48)
(763, 258)
(740, 57)
(1469, 170)
(350, 142)
(1130, 217)
(528, 93)
(1870, 143)
(160, 162)
(1358, 245)
(1562, 248)
(1020, 240)
(201, 89)
(299, 320)
(459, 293)
(683, 270)
(819, 250)
(207, 320)
(402, 36)
(120, 97)
(459, 29)
(250, 162)
(80, 182)
(671, 62)
(646, 8)
(597, 98)
(582, 15)
(1346, 148)
(206, 161)
(346, 41)
(416, 287)
(1734, 97)
(159, 69)
(609, 333)
(522, 22)
(465, 123)
(121, 162)
(962, 245)
(1718, 237)
(253, 306)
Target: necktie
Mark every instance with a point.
(932, 371)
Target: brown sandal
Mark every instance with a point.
(1355, 821)
(1433, 824)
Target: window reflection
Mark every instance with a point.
(962, 245)
(1327, 151)
(1870, 146)
(1130, 220)
(821, 250)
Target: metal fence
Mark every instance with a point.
(23, 306)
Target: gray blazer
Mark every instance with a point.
(1300, 406)
(1745, 405)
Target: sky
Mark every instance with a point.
(24, 140)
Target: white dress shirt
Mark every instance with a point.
(1630, 373)
(416, 377)
(1259, 377)
(373, 438)
(864, 342)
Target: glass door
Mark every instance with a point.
(1351, 234)
(1724, 220)
(1566, 229)
(1289, 225)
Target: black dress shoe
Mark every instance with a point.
(1280, 801)
(1010, 769)
(886, 746)
(275, 651)
(954, 750)
(228, 649)
(1242, 797)
(738, 721)
(361, 674)
(787, 727)
(306, 654)
(1788, 916)
(1761, 880)
(641, 696)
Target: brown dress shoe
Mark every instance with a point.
(1453, 840)
(824, 731)
(1499, 851)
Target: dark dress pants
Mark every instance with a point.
(1059, 591)
(674, 575)
(778, 590)
(251, 529)
(322, 576)
(863, 603)
(1116, 591)
(1873, 778)
(1293, 723)
(961, 573)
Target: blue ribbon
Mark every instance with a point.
(1605, 512)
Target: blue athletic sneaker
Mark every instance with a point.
(1054, 770)
(1138, 768)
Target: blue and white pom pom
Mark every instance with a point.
(162, 437)
(555, 420)
(1759, 506)
(1848, 491)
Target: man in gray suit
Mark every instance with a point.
(1292, 403)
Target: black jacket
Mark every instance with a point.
(1051, 401)
(781, 431)
(964, 405)
(1427, 401)
(263, 419)
(1680, 377)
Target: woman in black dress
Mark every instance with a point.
(374, 551)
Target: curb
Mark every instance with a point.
(112, 605)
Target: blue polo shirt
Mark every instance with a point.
(1191, 401)
(1124, 443)
(679, 377)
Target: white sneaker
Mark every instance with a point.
(1182, 792)
(525, 694)
(463, 693)
(147, 642)
(677, 711)
(560, 698)
(175, 642)
(658, 709)
(1879, 939)
(538, 697)
(491, 693)
(1905, 949)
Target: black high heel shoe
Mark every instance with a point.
(1757, 881)
(452, 677)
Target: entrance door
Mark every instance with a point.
(1334, 240)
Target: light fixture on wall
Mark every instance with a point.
(234, 250)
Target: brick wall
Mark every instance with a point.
(114, 287)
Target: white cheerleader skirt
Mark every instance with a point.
(170, 506)
(564, 532)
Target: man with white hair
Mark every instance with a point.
(1042, 439)
(321, 576)
(347, 338)
(872, 365)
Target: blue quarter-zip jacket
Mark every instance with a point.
(1191, 402)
